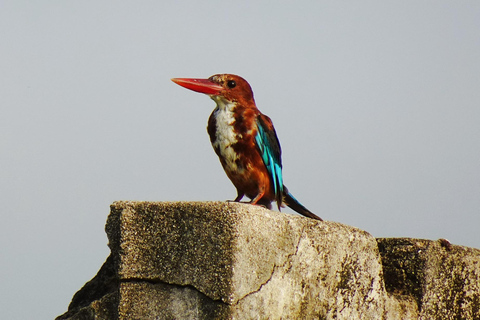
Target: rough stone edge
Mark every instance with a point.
(94, 298)
(98, 298)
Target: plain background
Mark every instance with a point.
(376, 105)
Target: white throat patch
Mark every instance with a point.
(224, 135)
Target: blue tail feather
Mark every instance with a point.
(293, 203)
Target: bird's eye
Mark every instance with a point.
(231, 84)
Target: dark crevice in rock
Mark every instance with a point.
(403, 265)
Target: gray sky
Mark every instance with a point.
(376, 105)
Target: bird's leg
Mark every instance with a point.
(238, 198)
(258, 197)
(260, 201)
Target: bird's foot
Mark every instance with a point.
(238, 201)
(262, 205)
(250, 202)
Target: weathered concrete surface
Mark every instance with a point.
(216, 260)
(443, 279)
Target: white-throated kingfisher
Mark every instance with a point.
(245, 141)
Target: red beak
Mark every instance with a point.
(199, 85)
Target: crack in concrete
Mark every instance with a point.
(274, 268)
(224, 300)
(158, 281)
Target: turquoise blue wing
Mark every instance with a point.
(269, 147)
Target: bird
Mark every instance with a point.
(245, 141)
